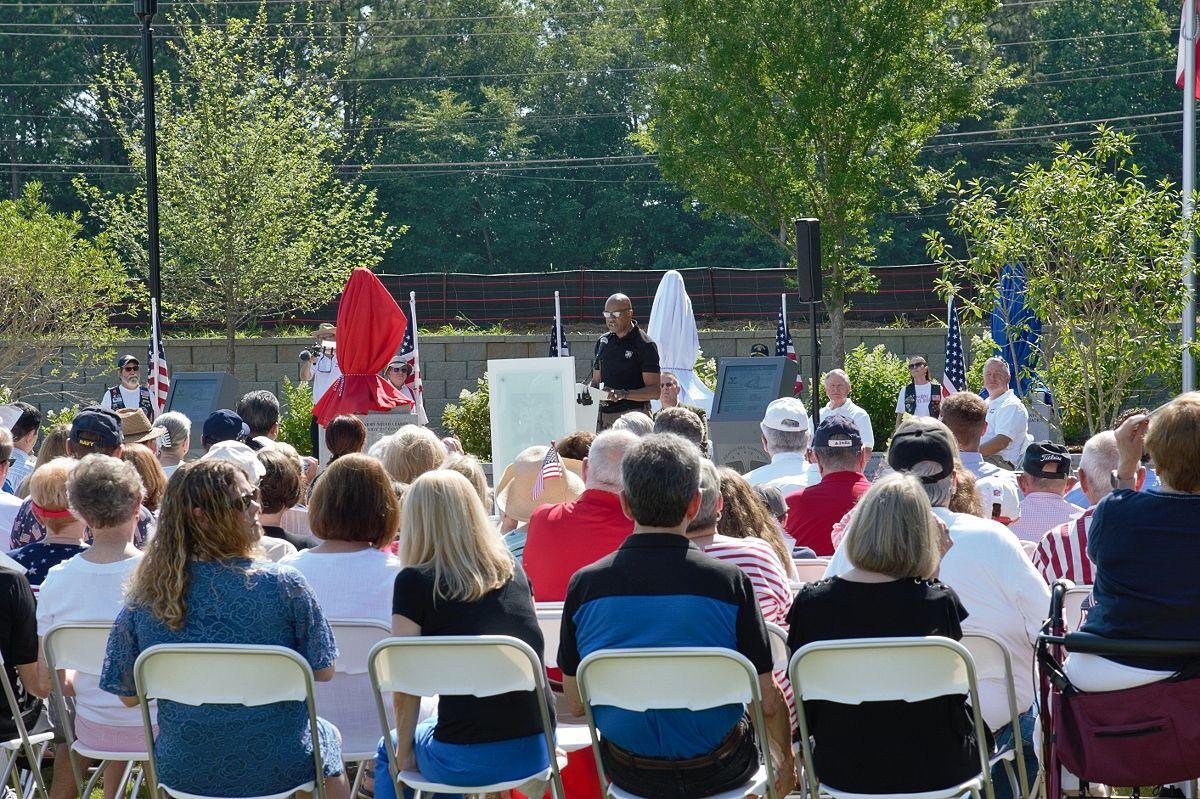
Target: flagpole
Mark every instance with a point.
(412, 320)
(1188, 34)
(783, 300)
(558, 331)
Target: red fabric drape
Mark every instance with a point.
(370, 328)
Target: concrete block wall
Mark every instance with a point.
(451, 364)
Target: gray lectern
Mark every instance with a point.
(745, 387)
(197, 394)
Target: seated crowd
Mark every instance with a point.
(641, 537)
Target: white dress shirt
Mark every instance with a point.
(861, 419)
(1008, 416)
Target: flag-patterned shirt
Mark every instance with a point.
(1063, 551)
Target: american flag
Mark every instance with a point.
(408, 354)
(158, 375)
(783, 347)
(551, 467)
(558, 340)
(955, 375)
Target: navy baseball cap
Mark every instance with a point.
(1046, 459)
(124, 359)
(224, 425)
(918, 445)
(96, 428)
(837, 432)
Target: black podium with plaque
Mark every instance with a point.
(745, 387)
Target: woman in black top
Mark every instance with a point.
(895, 544)
(461, 580)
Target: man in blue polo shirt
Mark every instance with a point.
(659, 589)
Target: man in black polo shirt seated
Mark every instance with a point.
(659, 589)
(626, 362)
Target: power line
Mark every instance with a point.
(1096, 121)
(365, 21)
(322, 37)
(1105, 66)
(1100, 77)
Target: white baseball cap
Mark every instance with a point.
(999, 489)
(239, 455)
(788, 414)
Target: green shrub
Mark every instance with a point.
(296, 421)
(876, 377)
(64, 415)
(470, 420)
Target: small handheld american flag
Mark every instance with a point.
(955, 375)
(551, 467)
(783, 343)
(158, 378)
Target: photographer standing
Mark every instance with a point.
(321, 367)
(626, 364)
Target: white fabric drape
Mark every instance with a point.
(673, 327)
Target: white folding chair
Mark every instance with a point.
(777, 636)
(570, 737)
(1073, 603)
(990, 656)
(32, 746)
(80, 646)
(854, 671)
(809, 570)
(346, 701)
(225, 674)
(696, 678)
(461, 665)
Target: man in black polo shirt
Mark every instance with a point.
(659, 589)
(626, 363)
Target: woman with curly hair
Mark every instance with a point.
(744, 514)
(201, 582)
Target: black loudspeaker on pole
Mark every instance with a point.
(808, 281)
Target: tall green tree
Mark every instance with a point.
(1101, 247)
(262, 213)
(57, 287)
(776, 109)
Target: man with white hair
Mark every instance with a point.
(1004, 595)
(837, 388)
(562, 539)
(1007, 430)
(1063, 550)
(785, 433)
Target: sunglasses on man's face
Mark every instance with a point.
(129, 368)
(616, 314)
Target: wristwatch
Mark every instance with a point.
(1116, 481)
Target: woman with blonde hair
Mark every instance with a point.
(199, 582)
(64, 530)
(460, 580)
(470, 467)
(151, 472)
(410, 452)
(745, 514)
(895, 545)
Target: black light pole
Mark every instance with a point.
(145, 10)
(808, 284)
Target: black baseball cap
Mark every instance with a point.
(837, 432)
(96, 428)
(124, 359)
(224, 425)
(918, 445)
(758, 351)
(1046, 459)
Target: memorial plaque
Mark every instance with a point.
(532, 401)
(745, 387)
(198, 394)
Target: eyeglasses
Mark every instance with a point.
(912, 366)
(396, 369)
(244, 501)
(130, 368)
(616, 314)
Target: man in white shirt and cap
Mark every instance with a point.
(129, 392)
(320, 367)
(837, 388)
(785, 436)
(1007, 417)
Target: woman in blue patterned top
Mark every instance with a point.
(200, 582)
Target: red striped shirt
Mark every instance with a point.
(1063, 551)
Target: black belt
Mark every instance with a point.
(724, 749)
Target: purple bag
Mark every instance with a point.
(1148, 735)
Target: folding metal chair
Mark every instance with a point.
(809, 570)
(350, 691)
(854, 671)
(696, 678)
(777, 636)
(81, 646)
(32, 746)
(570, 737)
(990, 655)
(225, 674)
(1073, 606)
(475, 665)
